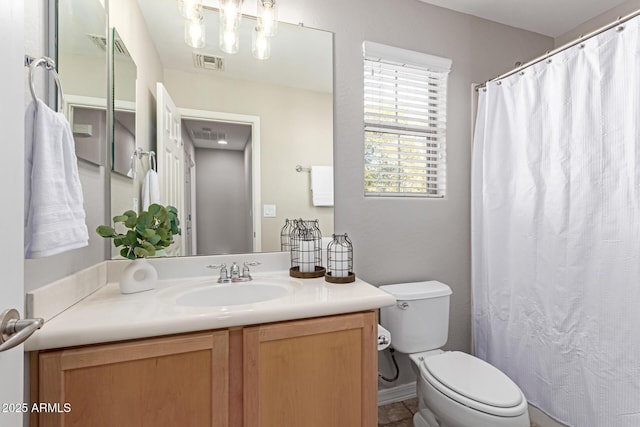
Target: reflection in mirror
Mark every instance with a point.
(81, 57)
(124, 98)
(288, 98)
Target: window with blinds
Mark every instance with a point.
(405, 118)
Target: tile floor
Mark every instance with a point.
(400, 414)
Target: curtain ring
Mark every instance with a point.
(499, 82)
(620, 28)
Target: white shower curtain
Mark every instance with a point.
(556, 231)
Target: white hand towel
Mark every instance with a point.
(150, 189)
(54, 214)
(322, 185)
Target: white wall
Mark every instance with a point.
(83, 75)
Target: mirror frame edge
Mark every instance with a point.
(109, 137)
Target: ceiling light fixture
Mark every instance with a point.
(222, 139)
(230, 12)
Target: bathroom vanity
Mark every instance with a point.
(306, 359)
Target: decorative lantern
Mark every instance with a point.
(340, 260)
(285, 235)
(306, 249)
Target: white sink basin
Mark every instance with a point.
(215, 295)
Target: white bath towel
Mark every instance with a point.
(322, 185)
(150, 189)
(54, 213)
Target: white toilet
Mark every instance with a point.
(454, 389)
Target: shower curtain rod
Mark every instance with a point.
(617, 22)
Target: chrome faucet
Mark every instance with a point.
(233, 274)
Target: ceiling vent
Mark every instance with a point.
(203, 134)
(207, 134)
(208, 62)
(118, 46)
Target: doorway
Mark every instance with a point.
(223, 192)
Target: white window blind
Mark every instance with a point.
(405, 117)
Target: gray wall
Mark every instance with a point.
(598, 21)
(222, 207)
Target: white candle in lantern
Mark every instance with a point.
(341, 264)
(307, 256)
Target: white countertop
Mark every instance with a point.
(107, 315)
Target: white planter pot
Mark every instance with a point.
(138, 276)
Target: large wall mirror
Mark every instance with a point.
(123, 143)
(81, 57)
(274, 115)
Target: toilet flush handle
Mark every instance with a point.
(403, 305)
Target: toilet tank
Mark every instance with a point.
(419, 321)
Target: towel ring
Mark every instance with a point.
(49, 64)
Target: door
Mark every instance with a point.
(171, 162)
(12, 87)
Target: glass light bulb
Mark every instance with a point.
(261, 44)
(190, 9)
(229, 40)
(230, 13)
(194, 33)
(268, 17)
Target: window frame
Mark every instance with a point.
(404, 105)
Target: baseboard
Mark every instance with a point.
(396, 394)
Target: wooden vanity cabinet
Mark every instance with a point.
(301, 373)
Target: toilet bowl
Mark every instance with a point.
(454, 389)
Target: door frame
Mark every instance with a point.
(13, 87)
(254, 122)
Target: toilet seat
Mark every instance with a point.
(474, 383)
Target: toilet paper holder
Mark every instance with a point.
(384, 338)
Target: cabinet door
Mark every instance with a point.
(311, 373)
(170, 381)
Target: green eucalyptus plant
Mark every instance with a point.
(149, 231)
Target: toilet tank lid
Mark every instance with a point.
(417, 290)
